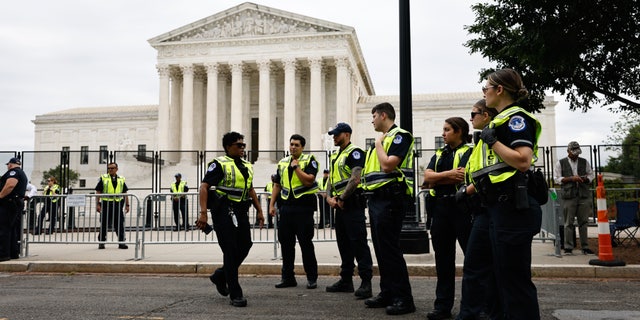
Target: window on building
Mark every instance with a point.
(142, 150)
(370, 142)
(84, 155)
(104, 154)
(83, 183)
(439, 142)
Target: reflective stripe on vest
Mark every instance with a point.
(294, 185)
(457, 156)
(233, 185)
(340, 173)
(373, 177)
(484, 160)
(107, 187)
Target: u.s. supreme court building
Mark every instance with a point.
(261, 71)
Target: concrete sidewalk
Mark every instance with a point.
(204, 258)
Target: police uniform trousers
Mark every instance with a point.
(450, 222)
(234, 242)
(579, 208)
(351, 236)
(386, 215)
(180, 206)
(10, 227)
(511, 232)
(478, 282)
(296, 221)
(110, 217)
(52, 208)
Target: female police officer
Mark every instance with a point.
(444, 174)
(507, 148)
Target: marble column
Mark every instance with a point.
(266, 112)
(290, 116)
(211, 131)
(163, 133)
(187, 110)
(237, 109)
(175, 113)
(316, 123)
(343, 90)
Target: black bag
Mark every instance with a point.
(537, 186)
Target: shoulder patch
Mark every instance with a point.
(356, 154)
(397, 139)
(212, 166)
(12, 173)
(517, 123)
(314, 164)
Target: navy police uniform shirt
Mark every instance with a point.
(400, 145)
(355, 159)
(446, 164)
(21, 186)
(520, 130)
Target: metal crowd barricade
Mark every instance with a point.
(159, 224)
(77, 221)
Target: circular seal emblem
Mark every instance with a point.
(516, 123)
(397, 139)
(212, 166)
(356, 154)
(314, 164)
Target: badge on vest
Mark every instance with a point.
(517, 123)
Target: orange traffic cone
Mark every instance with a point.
(605, 252)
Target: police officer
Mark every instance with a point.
(444, 174)
(388, 181)
(180, 203)
(344, 195)
(499, 167)
(50, 205)
(13, 185)
(232, 178)
(296, 186)
(110, 207)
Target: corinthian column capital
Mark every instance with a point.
(187, 69)
(163, 69)
(212, 67)
(289, 64)
(315, 63)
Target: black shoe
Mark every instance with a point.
(312, 284)
(4, 259)
(568, 251)
(588, 251)
(364, 291)
(377, 302)
(221, 285)
(238, 302)
(438, 315)
(401, 307)
(286, 283)
(101, 246)
(123, 246)
(341, 286)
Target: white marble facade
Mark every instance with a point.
(260, 71)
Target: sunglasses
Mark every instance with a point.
(239, 144)
(484, 89)
(112, 168)
(473, 114)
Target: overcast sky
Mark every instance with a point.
(64, 54)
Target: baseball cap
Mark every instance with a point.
(574, 148)
(325, 170)
(14, 160)
(339, 128)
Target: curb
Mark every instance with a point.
(204, 268)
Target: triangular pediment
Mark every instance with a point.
(250, 20)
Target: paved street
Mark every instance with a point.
(132, 296)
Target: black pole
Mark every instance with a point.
(406, 116)
(414, 237)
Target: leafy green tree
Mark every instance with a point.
(586, 50)
(58, 172)
(628, 162)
